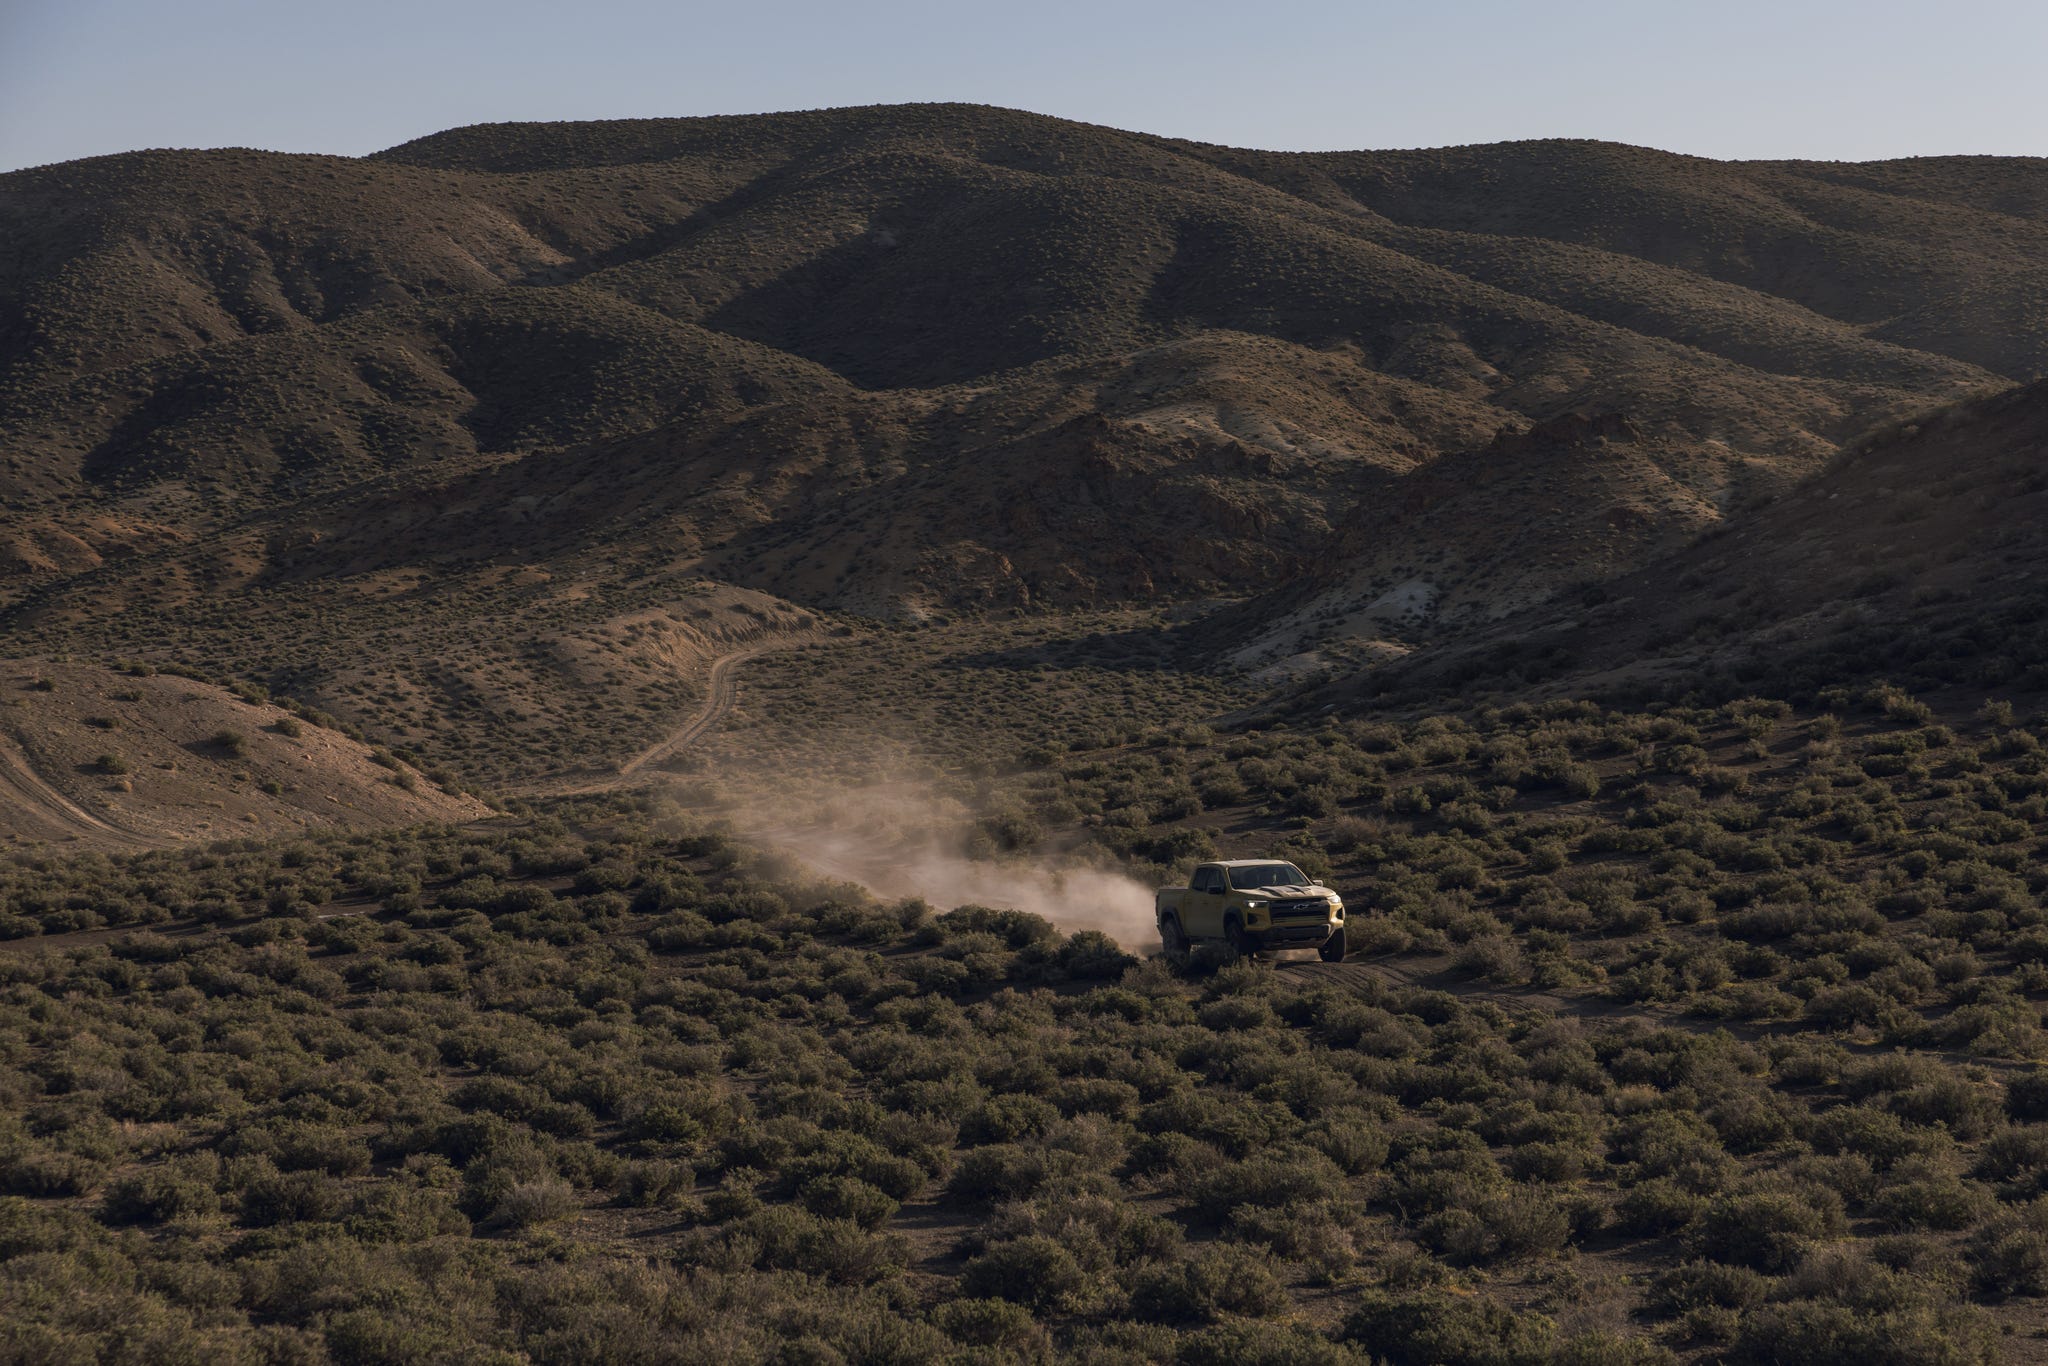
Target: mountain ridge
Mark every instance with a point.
(898, 362)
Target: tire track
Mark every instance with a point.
(53, 807)
(724, 690)
(722, 695)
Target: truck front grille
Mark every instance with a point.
(1296, 910)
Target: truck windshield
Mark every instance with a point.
(1256, 875)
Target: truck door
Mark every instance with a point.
(1205, 904)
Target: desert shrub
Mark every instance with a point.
(680, 932)
(2017, 1156)
(1548, 1162)
(785, 1238)
(990, 1323)
(1237, 1129)
(1930, 1201)
(1176, 1158)
(1092, 955)
(1432, 1328)
(42, 1173)
(2026, 1094)
(1351, 1139)
(1016, 929)
(156, 1194)
(1439, 1170)
(1867, 1131)
(1325, 1237)
(1492, 956)
(2008, 1254)
(1219, 1280)
(1266, 1181)
(531, 1203)
(314, 1147)
(1749, 1122)
(1844, 1006)
(1667, 1143)
(290, 1198)
(1656, 1207)
(1033, 1270)
(822, 1057)
(1967, 1111)
(397, 1214)
(1764, 923)
(1765, 1230)
(1827, 1334)
(1005, 1119)
(1696, 1284)
(996, 1172)
(1499, 1227)
(1184, 844)
(1117, 1100)
(1264, 1342)
(847, 1197)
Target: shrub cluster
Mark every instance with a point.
(579, 1090)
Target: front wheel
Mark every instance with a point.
(1332, 950)
(1240, 942)
(1172, 937)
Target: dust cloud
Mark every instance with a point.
(899, 843)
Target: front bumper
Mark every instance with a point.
(1300, 936)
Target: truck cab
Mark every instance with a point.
(1252, 905)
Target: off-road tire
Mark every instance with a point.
(1333, 948)
(1172, 938)
(1240, 942)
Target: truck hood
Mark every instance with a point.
(1282, 893)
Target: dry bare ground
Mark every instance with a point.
(129, 761)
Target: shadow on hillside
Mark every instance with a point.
(1140, 650)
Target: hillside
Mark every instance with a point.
(392, 434)
(146, 760)
(1917, 556)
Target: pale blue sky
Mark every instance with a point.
(1737, 78)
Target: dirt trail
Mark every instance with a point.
(19, 778)
(722, 690)
(722, 693)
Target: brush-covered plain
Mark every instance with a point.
(1694, 1033)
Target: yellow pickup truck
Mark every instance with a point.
(1252, 904)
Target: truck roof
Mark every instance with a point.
(1240, 862)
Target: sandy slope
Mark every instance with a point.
(88, 754)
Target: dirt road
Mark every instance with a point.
(722, 693)
(722, 689)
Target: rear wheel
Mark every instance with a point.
(1240, 942)
(1332, 950)
(1172, 937)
